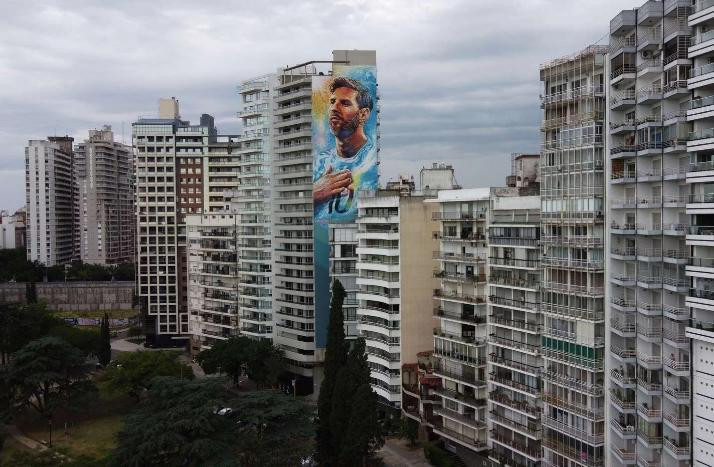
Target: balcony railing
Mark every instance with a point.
(675, 448)
(679, 394)
(675, 364)
(573, 431)
(465, 297)
(520, 324)
(534, 391)
(625, 379)
(510, 442)
(621, 402)
(573, 383)
(578, 455)
(676, 420)
(702, 37)
(518, 405)
(700, 5)
(514, 302)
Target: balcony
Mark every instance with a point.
(625, 404)
(622, 228)
(624, 328)
(453, 276)
(466, 257)
(531, 429)
(581, 409)
(624, 98)
(623, 354)
(626, 456)
(531, 451)
(572, 383)
(465, 398)
(649, 66)
(676, 450)
(579, 457)
(624, 150)
(520, 406)
(459, 296)
(701, 140)
(514, 344)
(623, 379)
(459, 316)
(517, 324)
(514, 262)
(459, 417)
(513, 302)
(472, 443)
(464, 339)
(509, 382)
(625, 431)
(676, 365)
(677, 394)
(528, 282)
(623, 73)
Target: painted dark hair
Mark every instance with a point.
(364, 100)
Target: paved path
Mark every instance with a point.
(396, 453)
(24, 440)
(123, 345)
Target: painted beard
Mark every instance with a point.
(345, 129)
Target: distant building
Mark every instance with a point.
(106, 199)
(525, 172)
(12, 229)
(51, 195)
(437, 177)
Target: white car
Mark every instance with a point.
(224, 411)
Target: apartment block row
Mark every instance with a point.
(79, 200)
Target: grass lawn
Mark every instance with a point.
(10, 449)
(116, 314)
(91, 432)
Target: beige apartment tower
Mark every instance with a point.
(106, 199)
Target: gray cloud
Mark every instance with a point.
(459, 78)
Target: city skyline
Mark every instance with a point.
(470, 106)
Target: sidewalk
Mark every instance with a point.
(397, 453)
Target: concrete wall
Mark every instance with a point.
(417, 281)
(74, 296)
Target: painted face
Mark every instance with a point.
(344, 112)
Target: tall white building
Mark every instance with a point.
(106, 199)
(460, 342)
(52, 204)
(515, 330)
(395, 283)
(212, 278)
(251, 203)
(572, 238)
(649, 208)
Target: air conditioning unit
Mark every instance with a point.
(646, 54)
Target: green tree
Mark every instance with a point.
(86, 340)
(31, 292)
(409, 429)
(134, 371)
(273, 429)
(177, 425)
(20, 324)
(104, 353)
(48, 373)
(335, 359)
(356, 432)
(262, 361)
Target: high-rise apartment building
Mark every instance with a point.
(180, 169)
(460, 342)
(212, 278)
(395, 285)
(251, 203)
(572, 238)
(104, 171)
(515, 329)
(700, 270)
(51, 197)
(649, 204)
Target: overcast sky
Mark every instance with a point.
(458, 79)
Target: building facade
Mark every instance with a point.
(395, 283)
(460, 342)
(12, 229)
(213, 278)
(106, 199)
(515, 329)
(51, 201)
(648, 194)
(572, 238)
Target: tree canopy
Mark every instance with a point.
(178, 424)
(17, 268)
(133, 372)
(348, 431)
(48, 373)
(262, 362)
